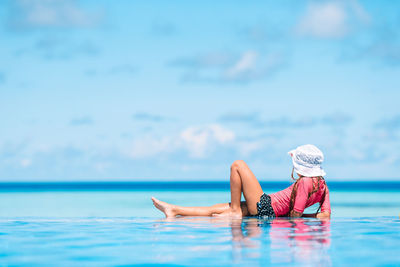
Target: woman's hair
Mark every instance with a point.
(294, 192)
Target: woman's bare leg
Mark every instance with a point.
(171, 210)
(243, 180)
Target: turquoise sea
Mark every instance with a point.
(115, 224)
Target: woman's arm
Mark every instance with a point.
(311, 215)
(319, 215)
(296, 214)
(304, 187)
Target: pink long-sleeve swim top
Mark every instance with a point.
(280, 201)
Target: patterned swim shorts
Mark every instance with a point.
(264, 207)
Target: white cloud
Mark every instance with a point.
(246, 148)
(102, 166)
(26, 163)
(197, 141)
(149, 146)
(246, 66)
(252, 66)
(245, 63)
(332, 19)
(30, 14)
(324, 20)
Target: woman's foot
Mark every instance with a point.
(167, 209)
(230, 213)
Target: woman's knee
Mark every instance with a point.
(238, 164)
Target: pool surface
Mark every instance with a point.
(122, 228)
(191, 241)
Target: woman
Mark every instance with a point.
(308, 189)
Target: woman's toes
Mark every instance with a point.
(164, 207)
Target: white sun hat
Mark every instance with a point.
(307, 160)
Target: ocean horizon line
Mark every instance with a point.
(180, 185)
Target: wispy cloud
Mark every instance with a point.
(382, 46)
(331, 19)
(149, 117)
(324, 20)
(9, 150)
(244, 68)
(391, 124)
(197, 141)
(336, 119)
(387, 52)
(246, 117)
(254, 119)
(201, 142)
(16, 154)
(39, 14)
(53, 47)
(225, 67)
(150, 146)
(207, 60)
(264, 33)
(85, 120)
(122, 69)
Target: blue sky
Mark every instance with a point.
(178, 90)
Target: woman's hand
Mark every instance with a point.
(295, 214)
(324, 215)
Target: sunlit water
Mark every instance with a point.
(122, 228)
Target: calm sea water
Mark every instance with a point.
(117, 226)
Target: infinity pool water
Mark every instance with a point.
(112, 228)
(366, 241)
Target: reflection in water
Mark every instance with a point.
(287, 240)
(298, 241)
